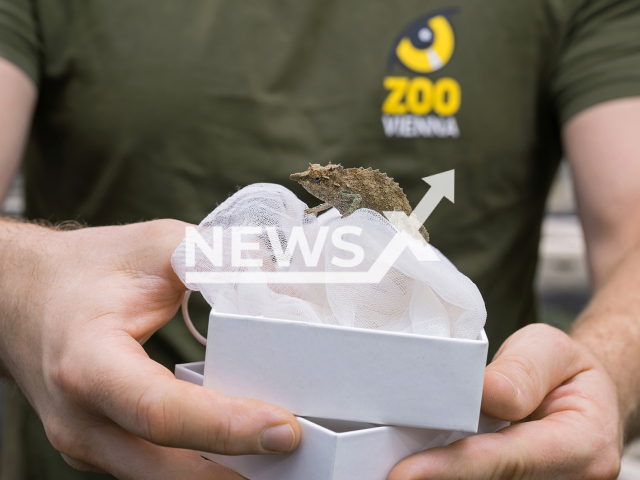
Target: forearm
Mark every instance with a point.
(17, 100)
(610, 328)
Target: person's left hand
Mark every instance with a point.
(571, 428)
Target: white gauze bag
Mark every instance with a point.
(423, 297)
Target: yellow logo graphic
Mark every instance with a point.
(420, 96)
(418, 106)
(426, 45)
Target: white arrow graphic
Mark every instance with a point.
(442, 185)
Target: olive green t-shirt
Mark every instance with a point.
(158, 108)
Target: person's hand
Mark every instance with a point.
(571, 427)
(71, 329)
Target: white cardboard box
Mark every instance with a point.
(351, 374)
(337, 450)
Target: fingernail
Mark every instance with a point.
(278, 439)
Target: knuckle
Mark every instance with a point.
(152, 418)
(69, 442)
(516, 465)
(69, 379)
(159, 228)
(77, 464)
(153, 228)
(551, 335)
(222, 436)
(608, 471)
(226, 434)
(600, 455)
(57, 435)
(66, 377)
(72, 462)
(605, 466)
(414, 468)
(519, 468)
(542, 329)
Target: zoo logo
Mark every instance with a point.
(424, 46)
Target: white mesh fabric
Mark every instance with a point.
(422, 297)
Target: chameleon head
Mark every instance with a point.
(317, 177)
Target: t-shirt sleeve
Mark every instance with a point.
(600, 57)
(19, 41)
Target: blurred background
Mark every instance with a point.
(562, 281)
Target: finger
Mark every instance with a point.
(80, 465)
(550, 448)
(530, 364)
(126, 456)
(146, 399)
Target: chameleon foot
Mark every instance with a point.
(318, 209)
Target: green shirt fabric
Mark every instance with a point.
(158, 108)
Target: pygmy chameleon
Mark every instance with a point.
(348, 189)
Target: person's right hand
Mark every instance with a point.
(75, 308)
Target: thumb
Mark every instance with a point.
(153, 405)
(153, 245)
(531, 363)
